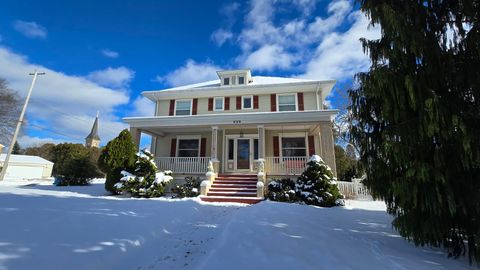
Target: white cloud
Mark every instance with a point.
(27, 141)
(63, 105)
(119, 77)
(30, 29)
(109, 53)
(143, 107)
(268, 57)
(191, 72)
(220, 36)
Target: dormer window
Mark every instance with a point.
(235, 77)
(241, 80)
(226, 81)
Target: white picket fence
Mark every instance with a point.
(354, 188)
(193, 165)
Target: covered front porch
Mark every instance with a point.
(278, 144)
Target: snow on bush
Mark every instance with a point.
(315, 186)
(145, 181)
(189, 189)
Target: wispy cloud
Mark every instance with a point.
(118, 78)
(109, 53)
(30, 29)
(230, 13)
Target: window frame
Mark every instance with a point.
(195, 137)
(287, 94)
(294, 136)
(243, 77)
(251, 102)
(228, 80)
(191, 107)
(215, 104)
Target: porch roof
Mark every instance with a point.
(232, 119)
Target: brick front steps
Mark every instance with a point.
(233, 188)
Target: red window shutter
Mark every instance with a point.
(173, 147)
(171, 111)
(255, 102)
(300, 101)
(227, 103)
(273, 102)
(276, 146)
(311, 146)
(210, 104)
(203, 145)
(194, 106)
(239, 103)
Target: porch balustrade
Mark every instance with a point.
(285, 165)
(185, 165)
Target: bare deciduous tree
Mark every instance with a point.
(10, 106)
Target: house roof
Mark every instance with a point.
(257, 82)
(25, 159)
(94, 132)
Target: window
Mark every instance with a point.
(294, 147)
(219, 103)
(241, 80)
(287, 103)
(230, 149)
(183, 107)
(226, 81)
(247, 102)
(188, 147)
(255, 149)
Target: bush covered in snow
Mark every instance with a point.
(282, 190)
(315, 186)
(146, 182)
(191, 188)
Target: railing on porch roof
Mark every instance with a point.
(285, 165)
(194, 165)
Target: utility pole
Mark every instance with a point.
(19, 124)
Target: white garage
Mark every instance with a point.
(27, 167)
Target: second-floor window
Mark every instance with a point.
(219, 104)
(247, 102)
(183, 107)
(287, 102)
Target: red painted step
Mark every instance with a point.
(247, 200)
(233, 188)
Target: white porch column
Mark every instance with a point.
(261, 142)
(213, 149)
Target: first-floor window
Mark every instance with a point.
(294, 147)
(183, 107)
(188, 147)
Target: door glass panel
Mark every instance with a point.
(243, 154)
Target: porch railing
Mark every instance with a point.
(285, 165)
(192, 165)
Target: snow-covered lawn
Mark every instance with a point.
(48, 227)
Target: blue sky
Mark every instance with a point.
(99, 55)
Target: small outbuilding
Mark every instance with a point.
(27, 167)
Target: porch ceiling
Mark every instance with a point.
(240, 120)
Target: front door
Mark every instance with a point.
(243, 154)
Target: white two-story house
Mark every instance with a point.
(243, 124)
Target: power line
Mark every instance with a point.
(55, 132)
(61, 112)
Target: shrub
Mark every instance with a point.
(146, 182)
(282, 190)
(191, 188)
(72, 165)
(117, 156)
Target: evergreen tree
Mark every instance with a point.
(118, 155)
(316, 185)
(416, 119)
(16, 149)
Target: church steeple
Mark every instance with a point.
(93, 140)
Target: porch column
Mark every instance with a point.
(136, 134)
(261, 142)
(327, 145)
(213, 149)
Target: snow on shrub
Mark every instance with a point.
(191, 188)
(145, 182)
(316, 186)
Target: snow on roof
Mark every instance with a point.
(256, 80)
(25, 159)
